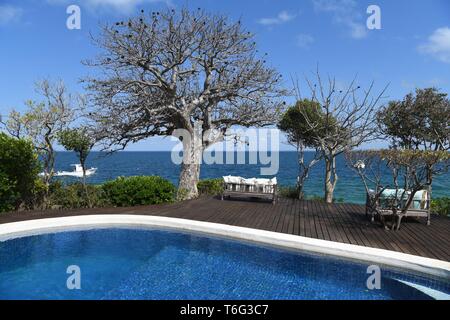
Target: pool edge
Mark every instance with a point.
(420, 264)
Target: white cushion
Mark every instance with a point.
(250, 181)
(232, 179)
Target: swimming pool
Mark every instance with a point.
(129, 263)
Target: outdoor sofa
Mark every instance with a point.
(250, 188)
(419, 207)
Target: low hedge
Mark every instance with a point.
(210, 187)
(441, 206)
(73, 196)
(19, 168)
(288, 192)
(138, 190)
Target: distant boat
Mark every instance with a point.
(78, 172)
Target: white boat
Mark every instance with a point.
(78, 172)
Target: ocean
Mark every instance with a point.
(349, 187)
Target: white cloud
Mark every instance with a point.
(438, 45)
(406, 84)
(304, 40)
(346, 13)
(282, 17)
(434, 82)
(125, 6)
(9, 13)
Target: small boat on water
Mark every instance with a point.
(78, 172)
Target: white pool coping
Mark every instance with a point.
(404, 261)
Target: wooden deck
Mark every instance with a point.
(335, 222)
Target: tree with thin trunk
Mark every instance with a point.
(43, 121)
(420, 121)
(184, 73)
(410, 173)
(81, 142)
(302, 136)
(348, 121)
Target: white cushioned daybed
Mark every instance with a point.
(250, 188)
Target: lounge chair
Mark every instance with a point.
(252, 188)
(419, 207)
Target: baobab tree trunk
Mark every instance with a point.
(330, 178)
(189, 177)
(190, 167)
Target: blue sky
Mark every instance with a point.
(412, 49)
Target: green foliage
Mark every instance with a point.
(132, 191)
(40, 193)
(211, 187)
(416, 166)
(295, 123)
(309, 125)
(182, 194)
(338, 200)
(8, 195)
(420, 120)
(41, 121)
(77, 140)
(290, 192)
(73, 196)
(441, 206)
(321, 199)
(120, 192)
(315, 198)
(19, 168)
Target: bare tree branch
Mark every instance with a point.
(171, 70)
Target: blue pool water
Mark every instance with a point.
(155, 264)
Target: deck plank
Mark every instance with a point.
(345, 223)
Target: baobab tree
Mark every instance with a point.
(189, 71)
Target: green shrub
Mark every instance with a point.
(321, 199)
(288, 192)
(19, 168)
(441, 206)
(73, 196)
(291, 193)
(338, 200)
(210, 187)
(8, 194)
(181, 194)
(132, 191)
(315, 198)
(40, 194)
